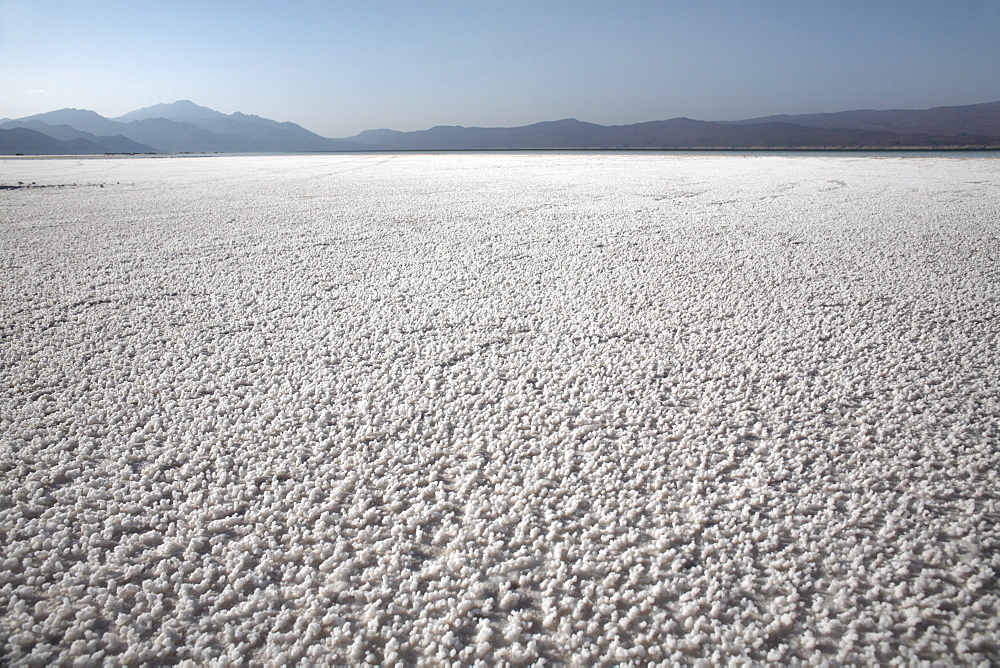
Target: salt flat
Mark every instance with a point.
(589, 409)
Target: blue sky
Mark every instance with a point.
(341, 67)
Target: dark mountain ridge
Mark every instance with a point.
(25, 141)
(112, 144)
(676, 133)
(973, 119)
(184, 126)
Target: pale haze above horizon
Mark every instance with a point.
(338, 68)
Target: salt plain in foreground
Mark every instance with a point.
(499, 408)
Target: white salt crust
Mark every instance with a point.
(483, 409)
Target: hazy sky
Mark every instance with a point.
(341, 67)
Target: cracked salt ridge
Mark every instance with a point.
(501, 408)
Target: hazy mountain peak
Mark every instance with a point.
(181, 109)
(68, 112)
(75, 109)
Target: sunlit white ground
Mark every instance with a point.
(537, 409)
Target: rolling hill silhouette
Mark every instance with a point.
(973, 119)
(184, 126)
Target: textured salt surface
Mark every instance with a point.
(463, 408)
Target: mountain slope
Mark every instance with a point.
(974, 119)
(684, 132)
(184, 126)
(182, 110)
(81, 119)
(263, 133)
(567, 133)
(113, 144)
(168, 135)
(173, 137)
(677, 133)
(160, 134)
(191, 129)
(24, 141)
(969, 126)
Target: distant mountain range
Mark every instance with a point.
(183, 126)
